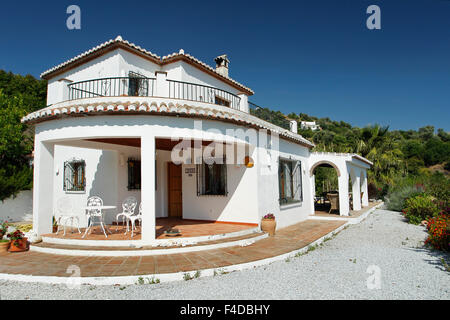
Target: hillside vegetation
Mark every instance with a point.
(397, 154)
(19, 95)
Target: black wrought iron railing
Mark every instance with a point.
(112, 87)
(201, 93)
(268, 115)
(145, 87)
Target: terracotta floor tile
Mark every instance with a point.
(285, 240)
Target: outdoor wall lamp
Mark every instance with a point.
(249, 163)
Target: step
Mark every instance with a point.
(102, 251)
(61, 240)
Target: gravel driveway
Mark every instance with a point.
(383, 244)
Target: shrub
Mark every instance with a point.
(395, 200)
(420, 207)
(25, 227)
(438, 185)
(439, 232)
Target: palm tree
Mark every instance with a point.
(377, 145)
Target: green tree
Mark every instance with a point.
(15, 147)
(19, 95)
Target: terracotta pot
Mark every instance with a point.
(268, 225)
(22, 245)
(4, 247)
(55, 228)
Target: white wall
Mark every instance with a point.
(194, 75)
(131, 62)
(268, 186)
(104, 66)
(19, 208)
(101, 178)
(252, 194)
(118, 63)
(239, 205)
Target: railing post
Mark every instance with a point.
(62, 90)
(162, 85)
(243, 103)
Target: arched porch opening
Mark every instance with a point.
(325, 177)
(351, 188)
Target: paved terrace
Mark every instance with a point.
(322, 211)
(188, 228)
(286, 240)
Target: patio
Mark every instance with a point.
(322, 210)
(187, 227)
(285, 240)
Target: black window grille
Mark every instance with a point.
(212, 179)
(221, 102)
(137, 85)
(74, 175)
(290, 181)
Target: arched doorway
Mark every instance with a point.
(325, 177)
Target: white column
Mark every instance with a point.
(162, 86)
(313, 192)
(243, 103)
(43, 187)
(148, 157)
(65, 89)
(356, 190)
(343, 193)
(364, 189)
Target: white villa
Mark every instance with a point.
(309, 125)
(177, 135)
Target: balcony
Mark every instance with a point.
(152, 87)
(112, 87)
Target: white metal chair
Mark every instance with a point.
(92, 214)
(66, 214)
(128, 208)
(133, 218)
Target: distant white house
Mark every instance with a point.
(309, 125)
(176, 134)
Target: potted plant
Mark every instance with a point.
(3, 228)
(268, 224)
(18, 241)
(55, 225)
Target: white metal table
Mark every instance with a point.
(90, 224)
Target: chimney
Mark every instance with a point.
(222, 63)
(293, 126)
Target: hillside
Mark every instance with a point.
(395, 153)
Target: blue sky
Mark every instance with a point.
(315, 57)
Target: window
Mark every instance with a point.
(134, 174)
(221, 102)
(138, 85)
(74, 175)
(212, 179)
(290, 181)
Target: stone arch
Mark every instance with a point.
(311, 172)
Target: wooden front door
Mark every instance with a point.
(175, 194)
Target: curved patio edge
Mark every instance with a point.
(73, 282)
(135, 253)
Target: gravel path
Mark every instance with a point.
(335, 270)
